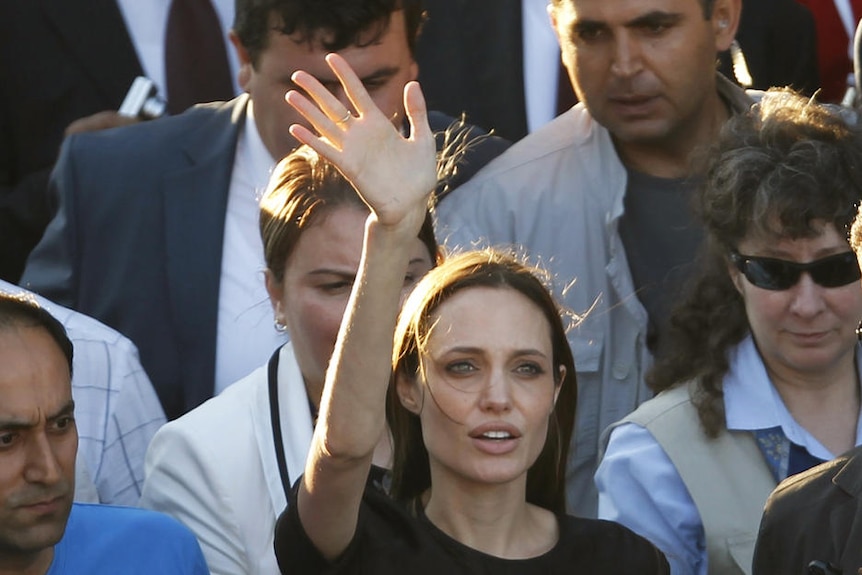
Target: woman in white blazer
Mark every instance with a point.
(224, 469)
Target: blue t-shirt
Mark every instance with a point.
(108, 540)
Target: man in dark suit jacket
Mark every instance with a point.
(138, 239)
(66, 66)
(814, 516)
(59, 62)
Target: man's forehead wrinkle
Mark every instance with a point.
(38, 414)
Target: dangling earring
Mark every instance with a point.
(279, 327)
(859, 331)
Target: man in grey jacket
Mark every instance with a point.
(600, 195)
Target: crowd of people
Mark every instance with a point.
(333, 322)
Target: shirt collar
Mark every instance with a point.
(257, 157)
(751, 402)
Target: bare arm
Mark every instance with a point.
(394, 175)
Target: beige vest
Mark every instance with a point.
(727, 477)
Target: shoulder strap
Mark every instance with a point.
(275, 418)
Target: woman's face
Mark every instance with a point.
(311, 298)
(807, 329)
(488, 389)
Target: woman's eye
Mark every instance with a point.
(336, 286)
(460, 368)
(530, 369)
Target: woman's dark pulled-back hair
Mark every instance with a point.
(342, 22)
(782, 170)
(493, 269)
(303, 188)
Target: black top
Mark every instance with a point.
(393, 539)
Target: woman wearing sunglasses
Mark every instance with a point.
(763, 381)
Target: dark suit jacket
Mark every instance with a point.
(60, 60)
(137, 240)
(470, 60)
(815, 515)
(779, 40)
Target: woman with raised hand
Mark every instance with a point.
(225, 469)
(478, 389)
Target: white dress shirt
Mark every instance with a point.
(147, 22)
(245, 333)
(640, 487)
(541, 63)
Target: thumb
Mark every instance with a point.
(417, 114)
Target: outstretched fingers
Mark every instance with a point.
(328, 142)
(393, 173)
(318, 106)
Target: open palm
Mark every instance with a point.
(394, 174)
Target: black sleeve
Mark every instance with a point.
(294, 551)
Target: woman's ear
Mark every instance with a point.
(409, 393)
(735, 277)
(275, 291)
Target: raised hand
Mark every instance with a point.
(394, 174)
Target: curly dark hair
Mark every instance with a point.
(779, 171)
(346, 22)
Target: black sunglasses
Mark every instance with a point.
(774, 274)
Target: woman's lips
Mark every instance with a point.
(495, 438)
